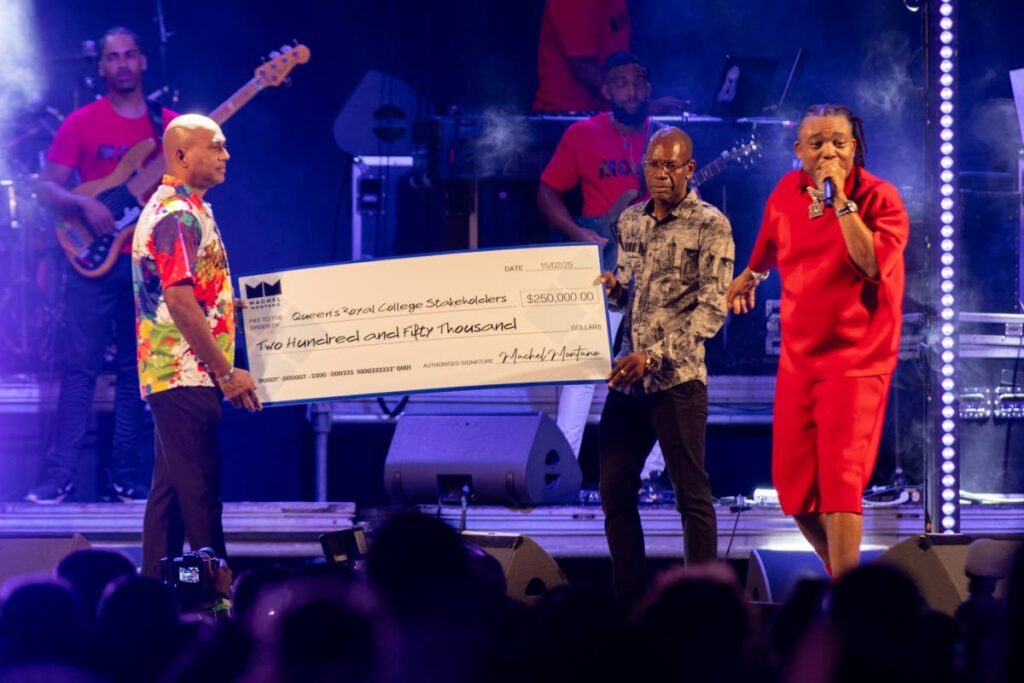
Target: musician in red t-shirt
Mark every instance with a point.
(842, 296)
(576, 37)
(602, 155)
(91, 141)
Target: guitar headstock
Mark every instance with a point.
(275, 70)
(745, 153)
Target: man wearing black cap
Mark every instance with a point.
(603, 156)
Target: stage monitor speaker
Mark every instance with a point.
(773, 574)
(377, 118)
(529, 570)
(935, 562)
(20, 556)
(499, 459)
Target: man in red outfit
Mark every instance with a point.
(842, 293)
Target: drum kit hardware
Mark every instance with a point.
(32, 265)
(32, 269)
(31, 277)
(31, 261)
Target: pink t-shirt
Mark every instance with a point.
(95, 137)
(601, 160)
(576, 28)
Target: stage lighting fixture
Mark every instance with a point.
(975, 403)
(1008, 403)
(950, 405)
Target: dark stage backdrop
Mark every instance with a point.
(284, 202)
(280, 204)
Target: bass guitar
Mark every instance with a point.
(126, 190)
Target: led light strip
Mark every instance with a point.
(948, 478)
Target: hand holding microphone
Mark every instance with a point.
(832, 177)
(829, 188)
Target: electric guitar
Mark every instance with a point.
(742, 153)
(126, 190)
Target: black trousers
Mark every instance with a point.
(184, 501)
(99, 311)
(677, 418)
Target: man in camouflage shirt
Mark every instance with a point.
(674, 268)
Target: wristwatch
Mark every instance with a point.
(849, 207)
(760, 276)
(652, 362)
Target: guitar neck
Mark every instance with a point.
(149, 175)
(237, 100)
(708, 172)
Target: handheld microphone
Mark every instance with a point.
(829, 188)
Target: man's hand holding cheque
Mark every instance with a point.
(612, 287)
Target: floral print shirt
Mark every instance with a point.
(177, 242)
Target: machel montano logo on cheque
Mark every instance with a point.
(263, 295)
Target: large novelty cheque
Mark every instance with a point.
(446, 321)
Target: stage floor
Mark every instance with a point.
(291, 529)
(280, 529)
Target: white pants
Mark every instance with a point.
(574, 401)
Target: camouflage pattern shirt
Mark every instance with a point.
(675, 274)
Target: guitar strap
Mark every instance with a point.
(156, 117)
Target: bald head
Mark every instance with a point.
(669, 165)
(675, 139)
(183, 131)
(195, 150)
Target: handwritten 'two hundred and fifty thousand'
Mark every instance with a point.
(512, 316)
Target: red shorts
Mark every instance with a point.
(825, 440)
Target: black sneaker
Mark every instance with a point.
(125, 492)
(50, 493)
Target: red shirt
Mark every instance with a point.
(604, 162)
(576, 28)
(836, 321)
(95, 137)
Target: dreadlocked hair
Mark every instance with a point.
(856, 122)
